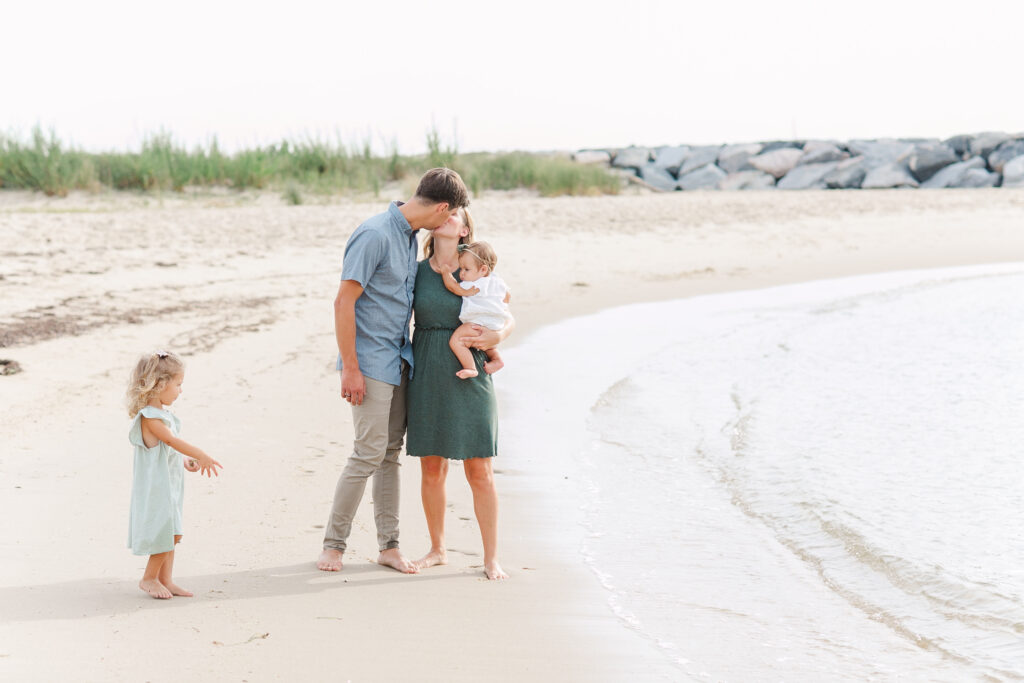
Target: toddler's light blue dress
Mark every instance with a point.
(158, 488)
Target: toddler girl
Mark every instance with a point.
(158, 482)
(485, 298)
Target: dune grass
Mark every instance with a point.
(295, 168)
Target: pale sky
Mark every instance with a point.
(512, 75)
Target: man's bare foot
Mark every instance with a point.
(393, 558)
(431, 559)
(492, 366)
(494, 571)
(178, 590)
(155, 589)
(466, 374)
(329, 560)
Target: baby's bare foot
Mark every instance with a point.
(466, 374)
(177, 590)
(394, 559)
(155, 589)
(431, 559)
(329, 560)
(492, 366)
(494, 571)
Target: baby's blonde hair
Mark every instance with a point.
(483, 252)
(150, 376)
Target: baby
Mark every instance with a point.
(485, 298)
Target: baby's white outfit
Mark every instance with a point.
(487, 307)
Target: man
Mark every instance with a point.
(371, 322)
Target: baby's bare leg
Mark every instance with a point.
(462, 353)
(150, 578)
(167, 570)
(494, 362)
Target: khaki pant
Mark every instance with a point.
(379, 429)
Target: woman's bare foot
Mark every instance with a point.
(329, 560)
(494, 571)
(393, 558)
(177, 590)
(155, 589)
(431, 559)
(466, 374)
(492, 366)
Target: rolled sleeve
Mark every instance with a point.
(363, 255)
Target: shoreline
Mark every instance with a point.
(260, 395)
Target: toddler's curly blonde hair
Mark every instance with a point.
(150, 376)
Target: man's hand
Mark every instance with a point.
(353, 386)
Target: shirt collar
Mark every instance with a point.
(399, 220)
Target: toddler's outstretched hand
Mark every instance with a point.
(207, 465)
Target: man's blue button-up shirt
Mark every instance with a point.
(381, 257)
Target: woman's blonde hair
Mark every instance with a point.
(467, 219)
(483, 252)
(150, 376)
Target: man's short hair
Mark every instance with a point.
(443, 185)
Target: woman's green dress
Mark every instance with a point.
(451, 417)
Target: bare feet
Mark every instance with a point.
(178, 590)
(494, 571)
(393, 558)
(155, 589)
(492, 366)
(329, 560)
(431, 559)
(466, 374)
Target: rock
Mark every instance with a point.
(733, 158)
(780, 144)
(960, 144)
(807, 176)
(1013, 172)
(671, 158)
(983, 144)
(658, 178)
(592, 156)
(747, 180)
(886, 176)
(698, 157)
(631, 157)
(926, 160)
(880, 152)
(953, 174)
(818, 152)
(706, 177)
(1011, 149)
(847, 175)
(777, 162)
(978, 177)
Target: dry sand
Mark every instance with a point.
(243, 286)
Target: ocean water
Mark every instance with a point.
(814, 482)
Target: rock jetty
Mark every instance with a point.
(979, 160)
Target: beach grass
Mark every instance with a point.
(309, 165)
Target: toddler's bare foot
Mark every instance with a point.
(466, 374)
(155, 589)
(494, 571)
(329, 560)
(393, 558)
(178, 590)
(492, 366)
(433, 558)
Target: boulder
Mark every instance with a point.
(807, 176)
(658, 178)
(886, 176)
(777, 162)
(1013, 172)
(1011, 149)
(880, 152)
(747, 180)
(961, 144)
(733, 158)
(953, 174)
(671, 158)
(706, 177)
(818, 152)
(984, 144)
(926, 160)
(780, 144)
(698, 157)
(847, 175)
(978, 177)
(592, 156)
(631, 157)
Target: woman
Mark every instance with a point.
(451, 418)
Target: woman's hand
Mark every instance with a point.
(482, 338)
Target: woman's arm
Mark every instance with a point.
(485, 339)
(157, 428)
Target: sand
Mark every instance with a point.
(242, 285)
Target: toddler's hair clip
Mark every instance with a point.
(162, 354)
